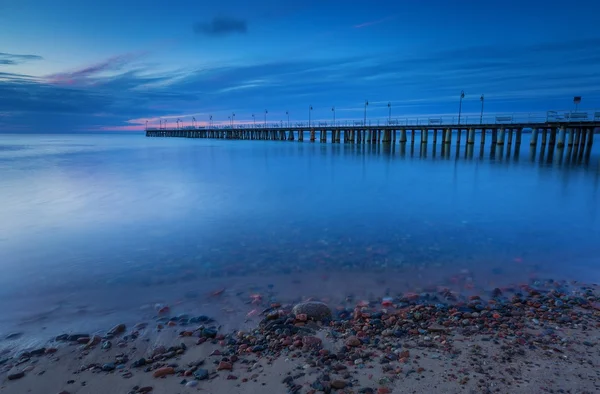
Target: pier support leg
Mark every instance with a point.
(571, 136)
(561, 137)
(552, 136)
(458, 135)
(534, 137)
(402, 136)
(483, 132)
(312, 135)
(435, 136)
(510, 135)
(519, 135)
(412, 137)
(424, 136)
(501, 137)
(544, 136)
(471, 137)
(590, 138)
(448, 137)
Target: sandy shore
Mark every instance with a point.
(527, 340)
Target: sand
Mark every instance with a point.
(531, 342)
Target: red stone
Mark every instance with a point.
(159, 373)
(224, 366)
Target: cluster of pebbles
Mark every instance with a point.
(356, 333)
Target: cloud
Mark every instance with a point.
(10, 59)
(115, 63)
(126, 92)
(371, 23)
(221, 26)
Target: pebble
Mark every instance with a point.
(224, 366)
(16, 375)
(192, 383)
(164, 372)
(145, 389)
(353, 341)
(118, 329)
(339, 384)
(201, 374)
(313, 310)
(108, 367)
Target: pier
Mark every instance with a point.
(574, 130)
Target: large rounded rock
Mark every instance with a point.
(313, 310)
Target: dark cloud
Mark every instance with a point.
(221, 26)
(12, 59)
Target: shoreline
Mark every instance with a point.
(534, 338)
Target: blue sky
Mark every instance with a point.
(112, 65)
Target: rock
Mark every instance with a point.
(209, 332)
(224, 366)
(93, 341)
(64, 392)
(145, 389)
(353, 341)
(201, 374)
(139, 363)
(106, 345)
(231, 377)
(437, 328)
(14, 335)
(312, 342)
(192, 383)
(108, 367)
(118, 329)
(164, 371)
(339, 384)
(16, 375)
(313, 310)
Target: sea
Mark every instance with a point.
(99, 229)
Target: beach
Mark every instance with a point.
(536, 337)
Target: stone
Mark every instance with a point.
(353, 341)
(108, 367)
(16, 375)
(339, 384)
(14, 335)
(106, 345)
(192, 383)
(201, 374)
(159, 373)
(145, 389)
(313, 310)
(312, 342)
(224, 366)
(118, 329)
(93, 341)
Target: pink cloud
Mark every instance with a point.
(82, 74)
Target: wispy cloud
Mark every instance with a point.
(221, 26)
(371, 23)
(115, 63)
(10, 59)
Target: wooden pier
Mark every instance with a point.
(578, 135)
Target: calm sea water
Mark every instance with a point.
(94, 225)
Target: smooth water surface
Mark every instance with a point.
(91, 225)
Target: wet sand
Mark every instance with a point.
(537, 337)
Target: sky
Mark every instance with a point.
(84, 66)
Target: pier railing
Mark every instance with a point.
(554, 116)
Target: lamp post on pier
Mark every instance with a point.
(309, 112)
(481, 116)
(288, 118)
(389, 113)
(232, 119)
(254, 120)
(193, 122)
(266, 112)
(365, 120)
(576, 101)
(210, 122)
(160, 124)
(462, 96)
(333, 110)
(146, 125)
